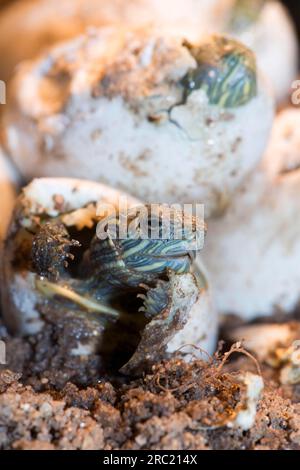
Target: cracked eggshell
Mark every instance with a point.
(253, 252)
(40, 24)
(53, 196)
(273, 38)
(106, 106)
(188, 308)
(202, 327)
(44, 195)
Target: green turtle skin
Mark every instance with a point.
(134, 260)
(226, 71)
(112, 266)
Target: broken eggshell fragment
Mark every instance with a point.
(246, 414)
(93, 105)
(252, 252)
(205, 331)
(133, 295)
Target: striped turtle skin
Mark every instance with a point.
(226, 71)
(156, 241)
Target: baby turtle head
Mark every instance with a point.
(157, 239)
(226, 71)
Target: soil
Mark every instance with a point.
(51, 401)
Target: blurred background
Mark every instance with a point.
(293, 5)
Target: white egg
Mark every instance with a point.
(266, 28)
(253, 252)
(122, 108)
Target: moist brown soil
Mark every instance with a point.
(51, 401)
